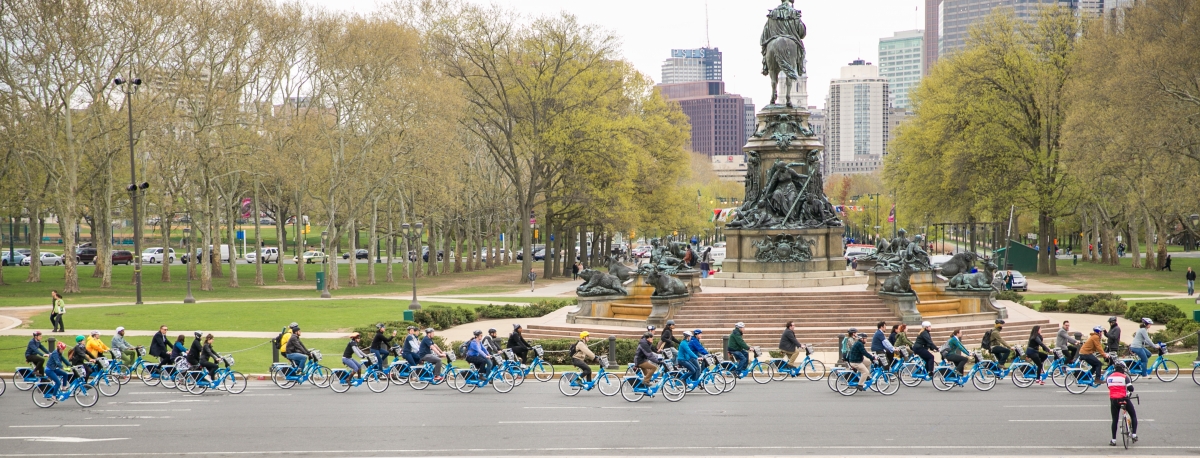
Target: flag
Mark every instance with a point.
(892, 214)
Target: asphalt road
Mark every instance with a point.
(794, 417)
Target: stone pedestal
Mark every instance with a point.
(664, 308)
(691, 278)
(740, 250)
(903, 305)
(637, 309)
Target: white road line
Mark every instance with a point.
(62, 439)
(73, 426)
(137, 417)
(1106, 420)
(583, 407)
(1055, 407)
(543, 422)
(580, 407)
(143, 410)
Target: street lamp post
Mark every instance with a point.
(324, 260)
(187, 240)
(412, 235)
(133, 188)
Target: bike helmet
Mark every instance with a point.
(78, 339)
(1119, 366)
(999, 321)
(670, 322)
(1097, 329)
(1112, 319)
(120, 328)
(696, 332)
(95, 333)
(62, 346)
(200, 334)
(294, 325)
(852, 331)
(647, 335)
(926, 324)
(651, 328)
(584, 334)
(378, 325)
(477, 333)
(687, 333)
(492, 331)
(1147, 321)
(739, 325)
(37, 333)
(354, 335)
(428, 330)
(516, 326)
(412, 328)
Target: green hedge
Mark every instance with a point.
(1010, 296)
(556, 349)
(1048, 305)
(543, 308)
(1176, 328)
(1157, 311)
(1095, 304)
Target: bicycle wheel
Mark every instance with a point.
(608, 384)
(888, 384)
(503, 382)
(19, 382)
(779, 367)
(376, 382)
(542, 371)
(108, 385)
(814, 370)
(674, 389)
(518, 375)
(87, 395)
(842, 384)
(167, 380)
(147, 376)
(467, 382)
(320, 377)
(633, 371)
(831, 380)
(415, 379)
(627, 390)
(39, 395)
(1072, 383)
(122, 374)
(181, 381)
(1058, 376)
(730, 380)
(3, 386)
(1196, 375)
(1167, 372)
(761, 373)
(712, 383)
(339, 382)
(454, 379)
(940, 381)
(281, 380)
(984, 380)
(567, 385)
(192, 380)
(1125, 429)
(908, 376)
(235, 383)
(395, 378)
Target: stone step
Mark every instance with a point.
(782, 283)
(788, 276)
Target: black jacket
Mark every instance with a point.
(668, 339)
(159, 346)
(381, 342)
(296, 346)
(208, 354)
(517, 341)
(645, 352)
(788, 342)
(193, 354)
(924, 341)
(78, 354)
(349, 353)
(1036, 342)
(492, 344)
(1114, 339)
(858, 353)
(1191, 275)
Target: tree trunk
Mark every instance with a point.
(373, 242)
(233, 208)
(526, 245)
(258, 273)
(165, 219)
(390, 246)
(281, 236)
(1042, 237)
(1135, 248)
(446, 233)
(1151, 256)
(547, 262)
(352, 240)
(331, 278)
(301, 245)
(35, 243)
(1164, 225)
(204, 254)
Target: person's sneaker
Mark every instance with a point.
(437, 380)
(1112, 442)
(1041, 382)
(1133, 436)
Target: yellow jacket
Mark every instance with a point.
(96, 347)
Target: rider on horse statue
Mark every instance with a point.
(783, 22)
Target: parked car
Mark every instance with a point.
(266, 221)
(642, 251)
(536, 247)
(425, 255)
(155, 255)
(858, 250)
(86, 255)
(224, 254)
(47, 259)
(360, 253)
(16, 258)
(269, 254)
(25, 251)
(124, 257)
(1018, 284)
(937, 260)
(311, 257)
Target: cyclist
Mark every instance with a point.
(956, 352)
(1120, 386)
(1141, 342)
(179, 349)
(381, 344)
(902, 339)
(36, 353)
(518, 344)
(297, 353)
(857, 356)
(738, 349)
(998, 347)
(209, 358)
(79, 356)
(697, 346)
(286, 335)
(1113, 336)
(430, 353)
(788, 344)
(349, 354)
(128, 352)
(880, 343)
(412, 346)
(491, 342)
(646, 359)
(477, 355)
(1034, 350)
(197, 349)
(687, 357)
(54, 368)
(581, 354)
(95, 346)
(1090, 349)
(924, 346)
(667, 339)
(848, 342)
(1065, 342)
(160, 346)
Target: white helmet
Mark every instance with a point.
(926, 324)
(740, 324)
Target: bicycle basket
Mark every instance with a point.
(976, 356)
(450, 356)
(757, 351)
(508, 353)
(669, 365)
(181, 364)
(370, 358)
(79, 371)
(538, 349)
(141, 351)
(603, 360)
(116, 354)
(1017, 350)
(498, 359)
(669, 353)
(316, 354)
(720, 357)
(103, 362)
(1058, 354)
(1162, 349)
(228, 359)
(904, 353)
(808, 350)
(710, 359)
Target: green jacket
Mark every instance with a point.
(957, 348)
(997, 339)
(902, 340)
(736, 342)
(59, 307)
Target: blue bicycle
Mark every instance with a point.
(342, 379)
(24, 378)
(1019, 369)
(633, 388)
(226, 379)
(1162, 368)
(712, 382)
(571, 383)
(1079, 380)
(812, 369)
(104, 380)
(882, 381)
(912, 370)
(75, 384)
(1195, 374)
(541, 370)
(980, 375)
(422, 376)
(761, 372)
(500, 377)
(286, 376)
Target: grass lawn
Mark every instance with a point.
(1095, 277)
(517, 300)
(481, 289)
(1185, 360)
(1062, 297)
(314, 316)
(18, 293)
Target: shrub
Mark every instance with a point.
(1108, 307)
(543, 308)
(1049, 305)
(1176, 328)
(441, 317)
(1097, 304)
(1157, 311)
(556, 350)
(1010, 296)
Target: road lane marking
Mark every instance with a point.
(583, 407)
(73, 426)
(1106, 420)
(143, 410)
(473, 451)
(543, 422)
(1055, 407)
(62, 439)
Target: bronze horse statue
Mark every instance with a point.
(783, 50)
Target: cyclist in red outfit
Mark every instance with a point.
(1119, 388)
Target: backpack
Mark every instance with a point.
(462, 348)
(571, 353)
(283, 340)
(987, 339)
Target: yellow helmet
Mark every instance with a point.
(583, 334)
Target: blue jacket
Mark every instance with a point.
(474, 348)
(858, 353)
(426, 347)
(55, 362)
(957, 348)
(685, 352)
(697, 347)
(880, 343)
(35, 348)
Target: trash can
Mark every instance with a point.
(408, 315)
(1196, 316)
(320, 281)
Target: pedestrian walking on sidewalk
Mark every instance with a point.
(532, 279)
(1191, 279)
(1167, 264)
(58, 308)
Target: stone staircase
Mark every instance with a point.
(785, 280)
(820, 317)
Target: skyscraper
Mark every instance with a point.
(688, 65)
(960, 15)
(718, 119)
(857, 120)
(900, 62)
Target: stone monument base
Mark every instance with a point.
(827, 250)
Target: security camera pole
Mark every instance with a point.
(129, 90)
